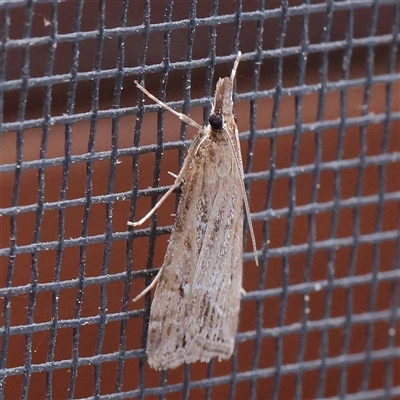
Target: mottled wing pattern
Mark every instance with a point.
(198, 295)
(216, 290)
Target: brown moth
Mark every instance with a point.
(195, 311)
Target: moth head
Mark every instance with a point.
(216, 121)
(222, 114)
(223, 96)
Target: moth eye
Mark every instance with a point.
(234, 117)
(216, 121)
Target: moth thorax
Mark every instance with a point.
(216, 121)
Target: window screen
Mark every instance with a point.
(82, 152)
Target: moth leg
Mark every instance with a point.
(243, 292)
(143, 292)
(201, 141)
(181, 116)
(172, 174)
(176, 184)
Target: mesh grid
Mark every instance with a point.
(317, 97)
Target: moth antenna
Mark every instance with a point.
(239, 165)
(181, 116)
(235, 66)
(235, 147)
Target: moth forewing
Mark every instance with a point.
(195, 310)
(196, 304)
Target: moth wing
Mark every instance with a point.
(211, 325)
(166, 336)
(195, 310)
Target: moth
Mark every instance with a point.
(195, 311)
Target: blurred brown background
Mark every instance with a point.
(76, 189)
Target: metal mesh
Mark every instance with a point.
(318, 108)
